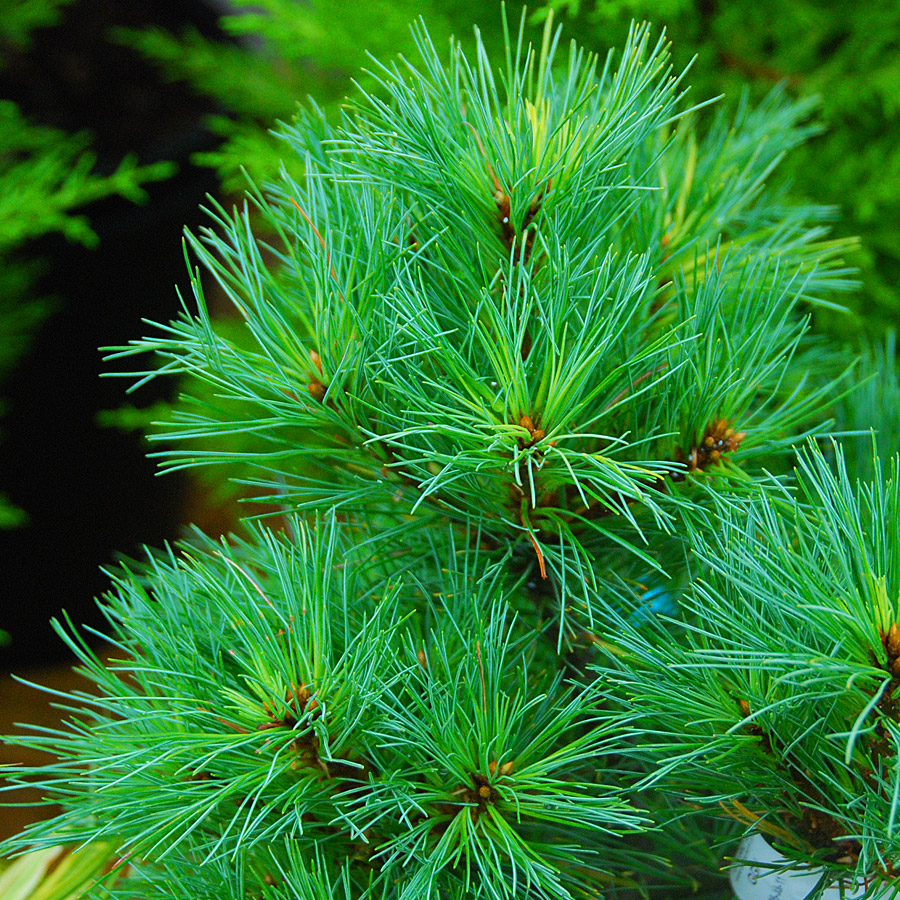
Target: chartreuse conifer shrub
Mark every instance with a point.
(515, 336)
(778, 705)
(274, 56)
(847, 56)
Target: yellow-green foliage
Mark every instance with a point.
(46, 179)
(846, 54)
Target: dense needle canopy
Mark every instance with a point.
(780, 709)
(526, 297)
(517, 339)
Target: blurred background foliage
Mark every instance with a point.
(95, 185)
(47, 177)
(847, 55)
(276, 52)
(273, 54)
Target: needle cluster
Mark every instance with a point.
(777, 705)
(547, 614)
(523, 300)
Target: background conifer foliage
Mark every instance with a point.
(846, 57)
(542, 608)
(87, 128)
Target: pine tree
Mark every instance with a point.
(543, 609)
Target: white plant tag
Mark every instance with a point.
(762, 882)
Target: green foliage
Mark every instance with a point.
(46, 178)
(540, 314)
(313, 719)
(779, 707)
(847, 56)
(519, 367)
(279, 54)
(45, 175)
(874, 407)
(19, 18)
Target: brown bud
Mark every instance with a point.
(537, 434)
(317, 391)
(316, 360)
(484, 791)
(526, 423)
(892, 641)
(420, 656)
(297, 693)
(505, 769)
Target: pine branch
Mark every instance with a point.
(779, 708)
(456, 317)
